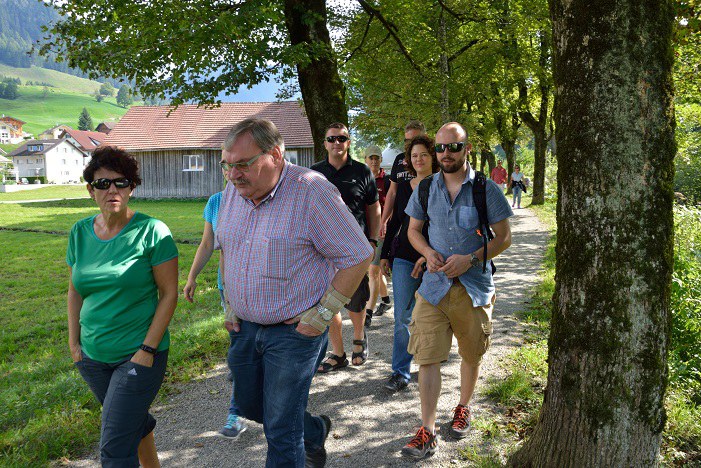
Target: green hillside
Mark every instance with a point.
(53, 77)
(58, 106)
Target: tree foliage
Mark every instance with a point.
(124, 96)
(9, 89)
(84, 120)
(106, 89)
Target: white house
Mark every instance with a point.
(60, 161)
(11, 130)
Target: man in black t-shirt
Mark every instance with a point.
(358, 190)
(399, 172)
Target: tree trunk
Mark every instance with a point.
(610, 328)
(322, 89)
(508, 144)
(488, 158)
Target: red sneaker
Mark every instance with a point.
(461, 422)
(421, 445)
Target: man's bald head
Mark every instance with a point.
(453, 131)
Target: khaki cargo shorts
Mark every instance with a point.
(432, 328)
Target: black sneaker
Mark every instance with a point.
(381, 309)
(316, 457)
(421, 445)
(396, 383)
(461, 422)
(368, 317)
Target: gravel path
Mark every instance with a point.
(370, 425)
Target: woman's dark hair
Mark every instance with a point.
(428, 142)
(114, 159)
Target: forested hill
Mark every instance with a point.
(20, 27)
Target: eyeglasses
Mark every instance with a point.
(452, 147)
(242, 166)
(104, 184)
(338, 138)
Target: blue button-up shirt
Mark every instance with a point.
(453, 230)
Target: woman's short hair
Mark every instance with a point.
(428, 142)
(114, 159)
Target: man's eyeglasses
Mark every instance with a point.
(452, 147)
(338, 138)
(104, 184)
(242, 166)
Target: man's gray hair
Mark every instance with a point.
(263, 131)
(415, 125)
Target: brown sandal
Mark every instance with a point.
(326, 367)
(363, 354)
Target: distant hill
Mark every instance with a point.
(54, 78)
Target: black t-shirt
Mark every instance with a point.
(355, 182)
(399, 171)
(398, 226)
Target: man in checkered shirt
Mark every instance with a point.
(292, 255)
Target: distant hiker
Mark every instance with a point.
(234, 425)
(517, 185)
(359, 192)
(499, 175)
(292, 256)
(122, 293)
(457, 292)
(405, 264)
(378, 283)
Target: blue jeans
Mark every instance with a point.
(517, 196)
(125, 390)
(273, 367)
(404, 287)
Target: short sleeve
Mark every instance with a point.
(162, 246)
(70, 250)
(208, 214)
(498, 207)
(371, 194)
(397, 166)
(414, 208)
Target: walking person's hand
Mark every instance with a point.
(76, 354)
(303, 329)
(456, 265)
(189, 290)
(434, 261)
(232, 326)
(142, 358)
(419, 268)
(384, 266)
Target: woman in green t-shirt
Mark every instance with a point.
(122, 293)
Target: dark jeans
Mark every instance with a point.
(273, 368)
(125, 390)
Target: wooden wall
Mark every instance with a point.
(162, 173)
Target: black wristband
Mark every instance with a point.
(148, 349)
(373, 242)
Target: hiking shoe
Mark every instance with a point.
(396, 383)
(461, 422)
(233, 427)
(421, 445)
(316, 457)
(381, 309)
(368, 317)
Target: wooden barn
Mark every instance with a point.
(179, 153)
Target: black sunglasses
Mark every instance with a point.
(338, 138)
(452, 147)
(104, 184)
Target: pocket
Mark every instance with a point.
(277, 258)
(301, 335)
(468, 218)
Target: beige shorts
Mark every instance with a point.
(432, 328)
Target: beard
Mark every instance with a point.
(452, 166)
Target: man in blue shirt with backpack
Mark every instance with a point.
(468, 225)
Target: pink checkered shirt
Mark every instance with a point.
(281, 255)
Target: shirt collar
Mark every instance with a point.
(470, 177)
(349, 161)
(272, 193)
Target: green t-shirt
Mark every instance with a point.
(115, 279)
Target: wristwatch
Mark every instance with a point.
(148, 349)
(474, 261)
(326, 314)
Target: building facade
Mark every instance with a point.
(59, 161)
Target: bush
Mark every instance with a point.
(41, 179)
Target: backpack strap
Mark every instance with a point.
(479, 196)
(424, 190)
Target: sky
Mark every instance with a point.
(264, 92)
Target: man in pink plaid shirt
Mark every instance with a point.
(292, 255)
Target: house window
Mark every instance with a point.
(292, 156)
(193, 162)
(63, 161)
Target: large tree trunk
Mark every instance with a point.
(322, 89)
(610, 328)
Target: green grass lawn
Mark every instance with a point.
(60, 106)
(46, 410)
(53, 77)
(53, 191)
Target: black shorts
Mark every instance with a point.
(360, 296)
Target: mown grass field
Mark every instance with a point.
(53, 77)
(52, 191)
(59, 106)
(46, 411)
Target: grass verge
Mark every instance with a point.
(48, 192)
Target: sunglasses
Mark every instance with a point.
(104, 184)
(242, 166)
(452, 147)
(338, 138)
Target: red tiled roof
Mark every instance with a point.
(86, 139)
(188, 126)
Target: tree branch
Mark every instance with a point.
(362, 41)
(392, 30)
